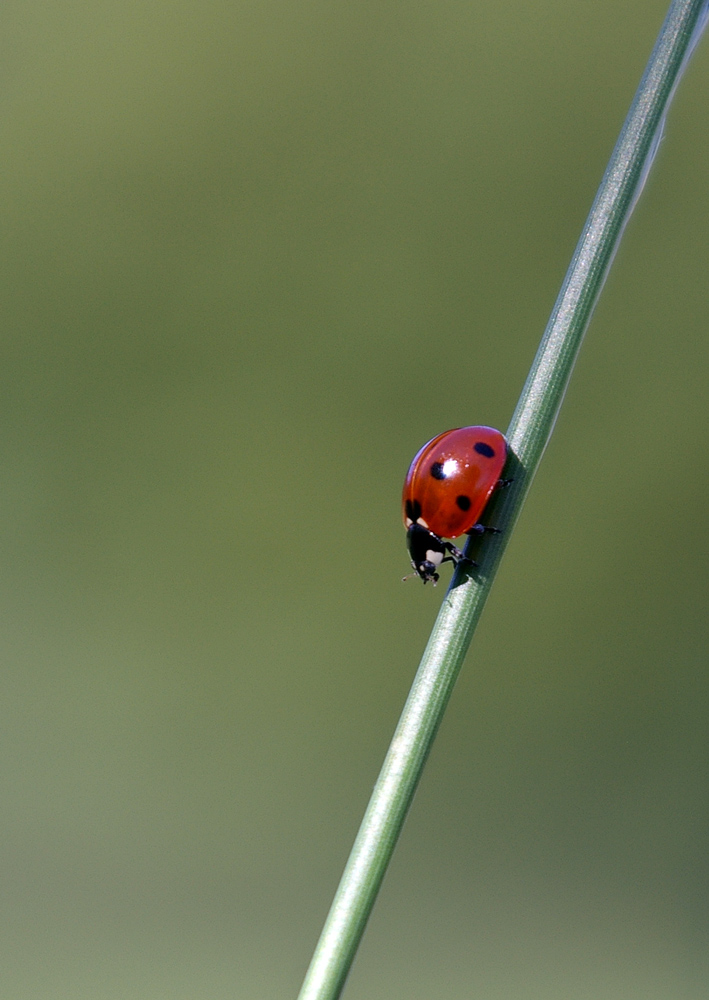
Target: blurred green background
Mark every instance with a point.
(253, 256)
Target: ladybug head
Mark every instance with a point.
(426, 550)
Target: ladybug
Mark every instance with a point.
(446, 489)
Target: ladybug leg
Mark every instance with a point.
(479, 529)
(502, 483)
(461, 562)
(456, 556)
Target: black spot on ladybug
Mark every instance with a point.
(463, 502)
(437, 470)
(413, 510)
(484, 449)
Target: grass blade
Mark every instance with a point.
(529, 431)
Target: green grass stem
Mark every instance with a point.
(528, 433)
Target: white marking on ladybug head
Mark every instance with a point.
(434, 557)
(422, 523)
(408, 522)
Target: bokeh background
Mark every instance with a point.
(254, 254)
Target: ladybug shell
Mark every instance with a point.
(451, 479)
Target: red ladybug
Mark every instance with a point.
(445, 492)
